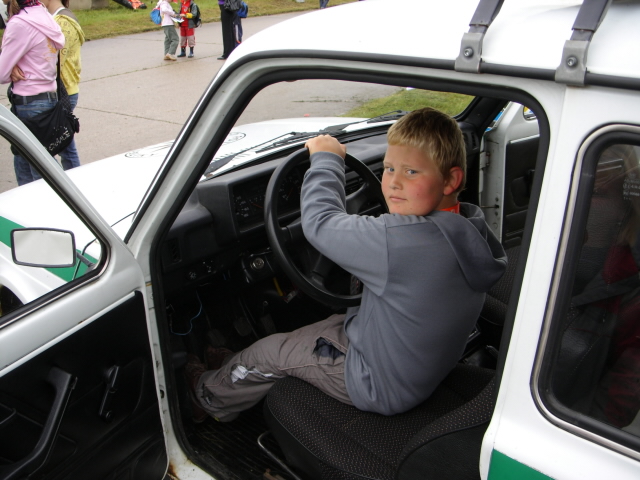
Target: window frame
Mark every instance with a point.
(568, 255)
(78, 281)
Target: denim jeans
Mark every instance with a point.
(25, 173)
(69, 156)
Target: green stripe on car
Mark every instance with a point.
(506, 468)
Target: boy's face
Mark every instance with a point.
(412, 184)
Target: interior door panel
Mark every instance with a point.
(111, 426)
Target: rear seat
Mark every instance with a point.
(494, 310)
(483, 346)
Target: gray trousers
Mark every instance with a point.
(171, 39)
(247, 376)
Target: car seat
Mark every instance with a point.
(323, 438)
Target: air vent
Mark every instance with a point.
(353, 185)
(173, 248)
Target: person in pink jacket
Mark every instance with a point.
(29, 59)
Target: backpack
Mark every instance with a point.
(243, 12)
(195, 11)
(156, 16)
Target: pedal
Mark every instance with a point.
(216, 338)
(267, 324)
(242, 326)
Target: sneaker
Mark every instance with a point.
(193, 370)
(167, 56)
(215, 357)
(171, 57)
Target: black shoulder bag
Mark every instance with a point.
(232, 5)
(54, 128)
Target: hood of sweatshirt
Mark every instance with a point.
(38, 17)
(76, 26)
(480, 250)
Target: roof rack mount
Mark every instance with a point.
(573, 67)
(470, 54)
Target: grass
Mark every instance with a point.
(450, 103)
(117, 20)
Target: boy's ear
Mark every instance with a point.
(452, 183)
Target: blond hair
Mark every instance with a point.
(435, 134)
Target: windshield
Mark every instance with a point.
(291, 138)
(289, 113)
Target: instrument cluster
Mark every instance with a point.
(249, 197)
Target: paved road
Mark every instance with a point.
(125, 80)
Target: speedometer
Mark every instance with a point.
(249, 197)
(290, 191)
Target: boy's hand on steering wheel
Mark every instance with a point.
(326, 143)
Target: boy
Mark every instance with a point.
(189, 13)
(425, 267)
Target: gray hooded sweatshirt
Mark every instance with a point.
(424, 277)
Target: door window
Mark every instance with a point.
(38, 230)
(591, 373)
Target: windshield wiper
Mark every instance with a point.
(295, 137)
(280, 140)
(385, 117)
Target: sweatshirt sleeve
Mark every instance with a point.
(64, 26)
(13, 49)
(356, 243)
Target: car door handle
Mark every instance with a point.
(63, 383)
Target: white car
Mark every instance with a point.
(117, 196)
(109, 285)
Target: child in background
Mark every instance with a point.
(237, 23)
(189, 13)
(170, 35)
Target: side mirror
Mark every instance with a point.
(43, 247)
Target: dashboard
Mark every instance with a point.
(223, 220)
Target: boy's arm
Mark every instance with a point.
(356, 243)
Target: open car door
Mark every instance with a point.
(78, 395)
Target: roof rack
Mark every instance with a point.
(470, 54)
(573, 67)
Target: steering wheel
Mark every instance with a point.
(312, 278)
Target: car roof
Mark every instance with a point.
(529, 34)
